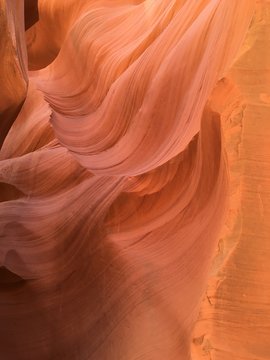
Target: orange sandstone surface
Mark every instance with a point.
(234, 322)
(134, 176)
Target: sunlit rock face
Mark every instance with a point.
(13, 64)
(133, 175)
(234, 319)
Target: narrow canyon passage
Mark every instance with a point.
(135, 180)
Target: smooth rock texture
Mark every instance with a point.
(13, 64)
(133, 175)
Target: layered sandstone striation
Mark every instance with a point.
(234, 322)
(134, 142)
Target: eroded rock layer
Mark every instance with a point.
(234, 321)
(114, 174)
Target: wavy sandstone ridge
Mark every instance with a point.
(114, 176)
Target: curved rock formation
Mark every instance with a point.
(114, 175)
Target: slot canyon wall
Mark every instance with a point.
(234, 321)
(134, 177)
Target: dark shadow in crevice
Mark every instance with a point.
(9, 280)
(31, 15)
(7, 276)
(9, 192)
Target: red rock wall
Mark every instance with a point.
(134, 145)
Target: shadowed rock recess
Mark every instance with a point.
(134, 180)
